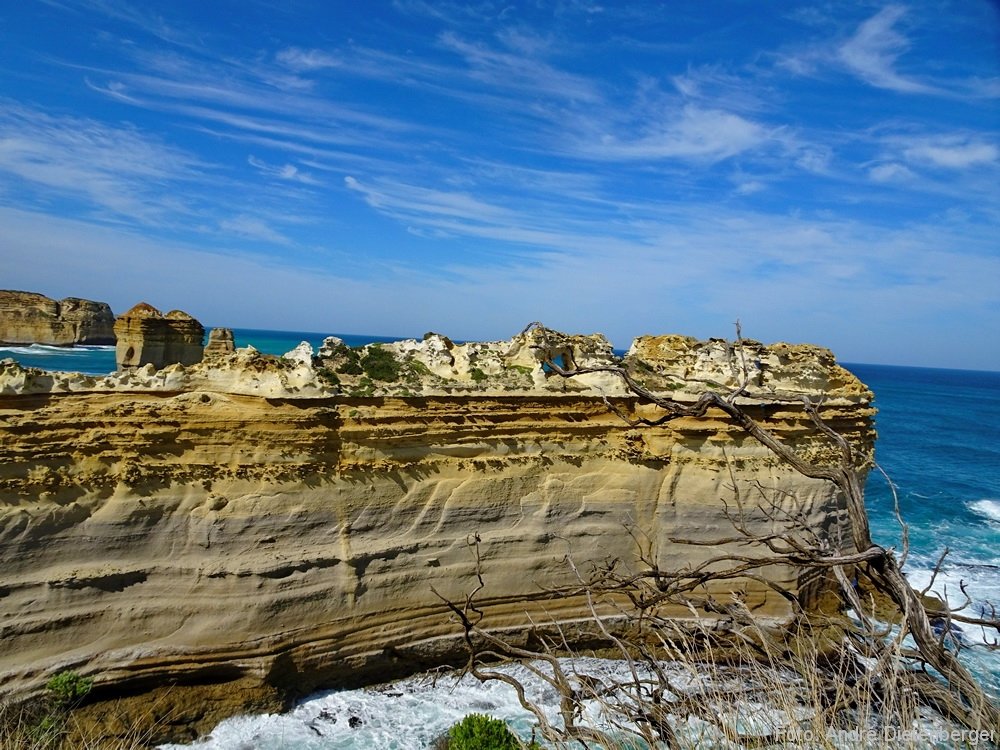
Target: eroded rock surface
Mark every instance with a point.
(220, 341)
(145, 336)
(30, 318)
(215, 538)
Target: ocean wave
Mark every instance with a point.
(972, 585)
(48, 349)
(38, 350)
(412, 713)
(987, 507)
(406, 715)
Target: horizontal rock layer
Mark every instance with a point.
(211, 551)
(30, 318)
(145, 336)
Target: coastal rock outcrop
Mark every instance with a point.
(220, 341)
(148, 337)
(219, 537)
(30, 318)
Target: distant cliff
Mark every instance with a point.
(29, 318)
(213, 539)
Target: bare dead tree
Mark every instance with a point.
(872, 657)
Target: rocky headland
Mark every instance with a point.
(30, 318)
(209, 539)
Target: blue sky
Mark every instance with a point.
(824, 172)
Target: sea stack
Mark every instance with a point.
(220, 341)
(147, 336)
(30, 318)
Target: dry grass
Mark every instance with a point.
(753, 689)
(38, 726)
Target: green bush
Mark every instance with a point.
(351, 364)
(478, 732)
(68, 688)
(477, 375)
(379, 364)
(328, 376)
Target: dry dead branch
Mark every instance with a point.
(886, 664)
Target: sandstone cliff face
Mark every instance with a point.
(244, 529)
(220, 341)
(29, 318)
(148, 337)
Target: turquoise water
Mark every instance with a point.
(100, 360)
(939, 441)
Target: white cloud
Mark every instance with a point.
(307, 59)
(953, 153)
(750, 187)
(872, 53)
(690, 269)
(400, 199)
(695, 133)
(890, 173)
(521, 72)
(814, 159)
(116, 168)
(712, 85)
(287, 172)
(252, 228)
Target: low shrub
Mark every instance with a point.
(379, 364)
(479, 732)
(66, 689)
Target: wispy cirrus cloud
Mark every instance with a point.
(691, 133)
(519, 66)
(872, 53)
(308, 60)
(892, 172)
(288, 172)
(417, 202)
(951, 151)
(137, 16)
(117, 169)
(875, 52)
(252, 228)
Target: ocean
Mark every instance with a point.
(939, 443)
(99, 360)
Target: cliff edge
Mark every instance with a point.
(30, 318)
(219, 538)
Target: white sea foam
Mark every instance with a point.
(981, 582)
(411, 714)
(407, 715)
(987, 507)
(46, 350)
(37, 350)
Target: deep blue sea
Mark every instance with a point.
(939, 442)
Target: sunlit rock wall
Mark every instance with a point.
(216, 538)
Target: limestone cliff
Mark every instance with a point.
(148, 337)
(29, 318)
(220, 341)
(218, 537)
